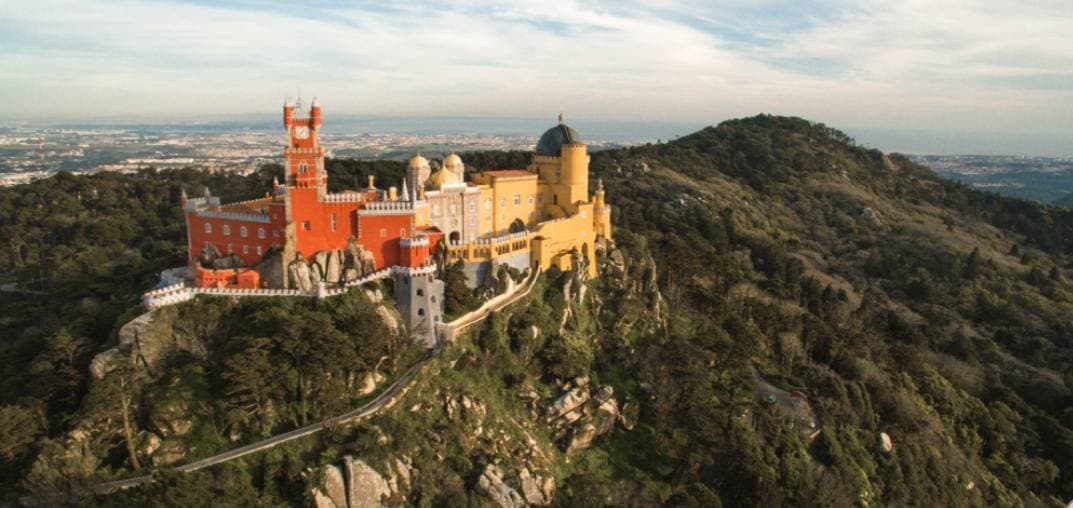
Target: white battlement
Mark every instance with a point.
(178, 293)
(410, 272)
(418, 241)
(387, 207)
(244, 217)
(344, 197)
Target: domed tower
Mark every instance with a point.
(418, 173)
(453, 163)
(563, 162)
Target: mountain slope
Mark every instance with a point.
(769, 280)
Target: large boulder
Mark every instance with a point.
(333, 487)
(491, 484)
(333, 270)
(365, 487)
(568, 402)
(171, 418)
(169, 453)
(581, 439)
(301, 277)
(145, 341)
(271, 268)
(538, 491)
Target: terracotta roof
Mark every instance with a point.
(509, 173)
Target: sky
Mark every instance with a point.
(997, 70)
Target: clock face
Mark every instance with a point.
(301, 132)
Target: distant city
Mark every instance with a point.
(29, 152)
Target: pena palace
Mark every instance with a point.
(301, 236)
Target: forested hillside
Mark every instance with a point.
(785, 319)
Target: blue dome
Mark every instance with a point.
(551, 143)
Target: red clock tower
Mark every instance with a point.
(305, 156)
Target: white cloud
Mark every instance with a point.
(963, 64)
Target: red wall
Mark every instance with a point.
(384, 248)
(197, 236)
(245, 278)
(305, 207)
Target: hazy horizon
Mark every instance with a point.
(1001, 67)
(907, 141)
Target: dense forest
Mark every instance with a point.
(757, 264)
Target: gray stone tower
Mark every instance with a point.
(419, 296)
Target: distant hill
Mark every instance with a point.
(770, 279)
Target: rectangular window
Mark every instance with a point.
(245, 249)
(305, 225)
(383, 232)
(230, 249)
(517, 199)
(540, 199)
(259, 251)
(332, 216)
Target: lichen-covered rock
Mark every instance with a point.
(145, 341)
(568, 402)
(169, 453)
(333, 486)
(301, 277)
(491, 484)
(147, 443)
(581, 439)
(365, 487)
(171, 418)
(538, 491)
(333, 270)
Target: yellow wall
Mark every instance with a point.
(505, 209)
(555, 240)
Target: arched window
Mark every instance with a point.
(230, 249)
(473, 206)
(242, 231)
(208, 228)
(332, 217)
(530, 199)
(259, 250)
(302, 168)
(503, 202)
(517, 199)
(245, 249)
(420, 292)
(420, 312)
(227, 230)
(261, 233)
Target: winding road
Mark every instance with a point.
(385, 400)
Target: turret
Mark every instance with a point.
(288, 112)
(314, 114)
(182, 198)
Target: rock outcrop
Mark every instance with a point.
(145, 341)
(491, 484)
(580, 415)
(333, 267)
(365, 487)
(538, 491)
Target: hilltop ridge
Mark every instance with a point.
(786, 319)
